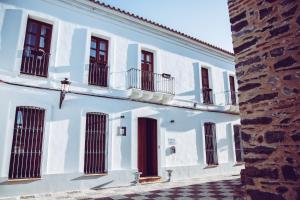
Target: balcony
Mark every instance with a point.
(98, 74)
(35, 62)
(231, 101)
(149, 86)
(207, 96)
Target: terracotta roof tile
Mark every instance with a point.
(159, 25)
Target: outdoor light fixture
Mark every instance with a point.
(65, 84)
(172, 121)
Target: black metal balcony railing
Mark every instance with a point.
(207, 95)
(231, 98)
(150, 81)
(35, 62)
(98, 74)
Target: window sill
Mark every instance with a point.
(239, 164)
(23, 180)
(91, 175)
(210, 166)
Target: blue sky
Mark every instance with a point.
(207, 20)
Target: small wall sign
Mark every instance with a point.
(122, 131)
(171, 141)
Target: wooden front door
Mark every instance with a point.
(147, 74)
(147, 147)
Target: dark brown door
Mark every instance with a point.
(26, 150)
(95, 143)
(147, 74)
(36, 51)
(147, 146)
(206, 91)
(232, 90)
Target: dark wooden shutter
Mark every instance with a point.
(98, 69)
(206, 90)
(210, 144)
(147, 69)
(95, 143)
(36, 52)
(238, 143)
(232, 90)
(26, 151)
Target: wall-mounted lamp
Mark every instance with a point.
(172, 121)
(65, 85)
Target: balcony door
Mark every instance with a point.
(206, 90)
(36, 52)
(98, 69)
(232, 90)
(147, 69)
(147, 147)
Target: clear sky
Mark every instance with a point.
(207, 20)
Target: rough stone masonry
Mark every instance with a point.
(266, 40)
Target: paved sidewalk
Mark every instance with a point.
(209, 188)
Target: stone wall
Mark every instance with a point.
(266, 39)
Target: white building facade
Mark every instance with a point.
(143, 98)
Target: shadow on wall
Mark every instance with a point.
(10, 32)
(77, 58)
(194, 95)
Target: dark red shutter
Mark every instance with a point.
(238, 143)
(26, 151)
(95, 143)
(36, 52)
(98, 69)
(210, 144)
(232, 90)
(206, 91)
(147, 69)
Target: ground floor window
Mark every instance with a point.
(210, 144)
(26, 151)
(95, 143)
(238, 144)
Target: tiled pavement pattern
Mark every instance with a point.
(228, 188)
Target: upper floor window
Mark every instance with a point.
(147, 69)
(36, 52)
(232, 96)
(207, 92)
(98, 69)
(210, 143)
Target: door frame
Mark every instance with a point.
(158, 143)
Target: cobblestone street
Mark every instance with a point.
(207, 189)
